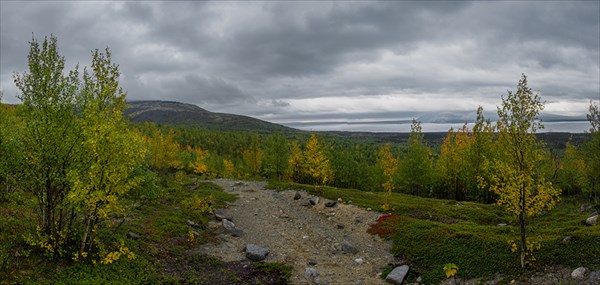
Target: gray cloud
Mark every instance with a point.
(269, 59)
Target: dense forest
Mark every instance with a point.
(70, 149)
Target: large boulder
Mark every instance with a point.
(397, 275)
(255, 252)
(592, 221)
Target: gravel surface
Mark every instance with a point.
(334, 241)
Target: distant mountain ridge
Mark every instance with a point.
(176, 113)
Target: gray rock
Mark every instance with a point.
(310, 273)
(584, 208)
(213, 225)
(567, 239)
(228, 225)
(232, 229)
(502, 225)
(221, 214)
(305, 203)
(297, 196)
(255, 252)
(348, 248)
(330, 204)
(359, 261)
(192, 224)
(311, 262)
(594, 213)
(236, 232)
(397, 275)
(594, 277)
(314, 200)
(191, 186)
(357, 220)
(592, 221)
(579, 273)
(131, 235)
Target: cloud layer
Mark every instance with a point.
(282, 61)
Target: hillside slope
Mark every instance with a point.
(175, 113)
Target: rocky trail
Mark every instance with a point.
(326, 242)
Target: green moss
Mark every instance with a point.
(124, 271)
(274, 268)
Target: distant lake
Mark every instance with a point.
(568, 127)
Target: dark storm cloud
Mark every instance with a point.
(270, 59)
(205, 90)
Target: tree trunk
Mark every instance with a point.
(523, 239)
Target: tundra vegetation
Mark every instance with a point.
(79, 184)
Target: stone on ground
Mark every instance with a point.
(594, 277)
(579, 273)
(131, 235)
(311, 272)
(314, 200)
(232, 229)
(221, 214)
(193, 224)
(255, 252)
(397, 275)
(348, 248)
(592, 221)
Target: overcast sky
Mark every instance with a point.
(298, 61)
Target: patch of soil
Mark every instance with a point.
(331, 241)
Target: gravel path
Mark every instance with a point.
(295, 234)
